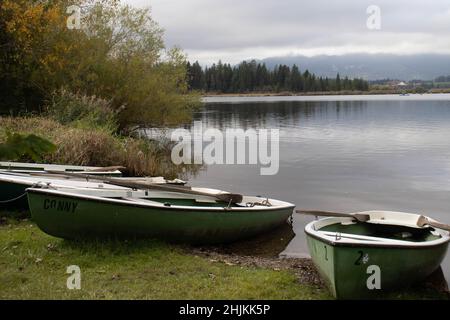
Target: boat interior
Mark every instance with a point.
(381, 231)
(168, 199)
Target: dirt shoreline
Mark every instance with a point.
(264, 252)
(304, 269)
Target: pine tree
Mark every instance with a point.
(338, 82)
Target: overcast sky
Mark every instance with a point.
(234, 30)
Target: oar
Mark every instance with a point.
(224, 197)
(106, 169)
(424, 221)
(361, 217)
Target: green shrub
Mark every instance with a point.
(17, 146)
(82, 111)
(97, 147)
(419, 90)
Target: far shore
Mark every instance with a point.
(323, 93)
(366, 96)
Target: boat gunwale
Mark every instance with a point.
(162, 206)
(12, 166)
(309, 230)
(19, 172)
(62, 182)
(58, 183)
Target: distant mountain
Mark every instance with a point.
(371, 66)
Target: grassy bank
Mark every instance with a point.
(88, 145)
(34, 267)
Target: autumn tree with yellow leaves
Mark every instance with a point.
(117, 54)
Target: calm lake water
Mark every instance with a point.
(343, 154)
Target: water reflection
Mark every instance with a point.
(274, 115)
(344, 156)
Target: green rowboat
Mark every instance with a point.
(173, 216)
(360, 260)
(12, 194)
(13, 184)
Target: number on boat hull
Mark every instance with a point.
(363, 258)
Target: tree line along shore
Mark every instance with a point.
(254, 77)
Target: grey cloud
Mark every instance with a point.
(217, 27)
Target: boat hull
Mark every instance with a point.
(13, 195)
(347, 269)
(72, 217)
